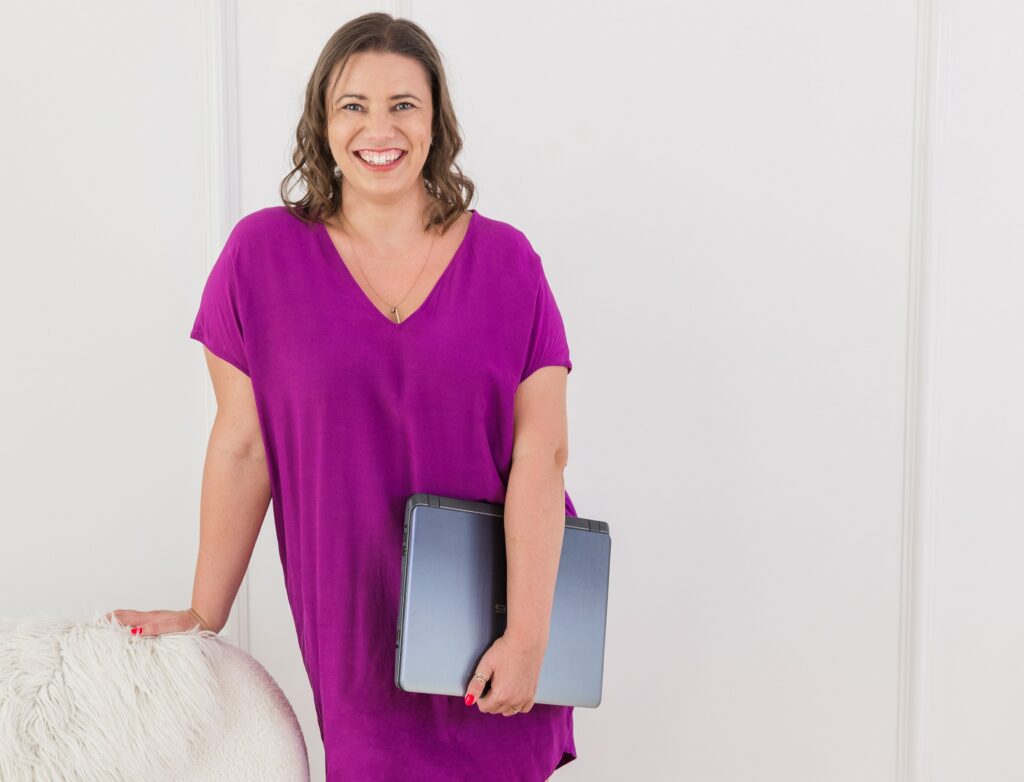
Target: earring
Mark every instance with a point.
(337, 172)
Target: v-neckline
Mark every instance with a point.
(338, 259)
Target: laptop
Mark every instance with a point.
(453, 601)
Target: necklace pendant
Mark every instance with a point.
(394, 311)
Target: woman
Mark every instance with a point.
(374, 339)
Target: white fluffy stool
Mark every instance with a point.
(91, 702)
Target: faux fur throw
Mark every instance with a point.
(91, 702)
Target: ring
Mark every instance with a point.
(480, 676)
(514, 710)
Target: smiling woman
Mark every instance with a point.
(380, 134)
(398, 342)
(409, 88)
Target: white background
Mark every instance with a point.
(786, 240)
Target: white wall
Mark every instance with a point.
(786, 241)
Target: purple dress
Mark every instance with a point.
(357, 413)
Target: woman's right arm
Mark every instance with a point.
(235, 498)
(235, 494)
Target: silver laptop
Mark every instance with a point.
(453, 601)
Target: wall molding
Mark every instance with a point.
(918, 448)
(219, 54)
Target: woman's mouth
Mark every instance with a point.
(383, 166)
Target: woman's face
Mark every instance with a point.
(380, 102)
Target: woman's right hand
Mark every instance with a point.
(155, 622)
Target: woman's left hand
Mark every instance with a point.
(512, 666)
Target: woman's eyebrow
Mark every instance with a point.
(363, 97)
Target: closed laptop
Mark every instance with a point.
(453, 603)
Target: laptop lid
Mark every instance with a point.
(453, 603)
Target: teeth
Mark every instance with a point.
(378, 159)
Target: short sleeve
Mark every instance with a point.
(218, 324)
(547, 344)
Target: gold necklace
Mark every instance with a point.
(394, 307)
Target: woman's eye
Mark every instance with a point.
(404, 103)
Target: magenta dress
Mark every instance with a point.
(357, 413)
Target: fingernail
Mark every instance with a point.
(136, 631)
(470, 699)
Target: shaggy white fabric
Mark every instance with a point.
(91, 702)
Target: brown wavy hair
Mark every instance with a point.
(450, 190)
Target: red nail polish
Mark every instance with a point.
(136, 631)
(470, 699)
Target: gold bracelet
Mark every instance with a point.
(198, 617)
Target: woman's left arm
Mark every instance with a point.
(534, 528)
